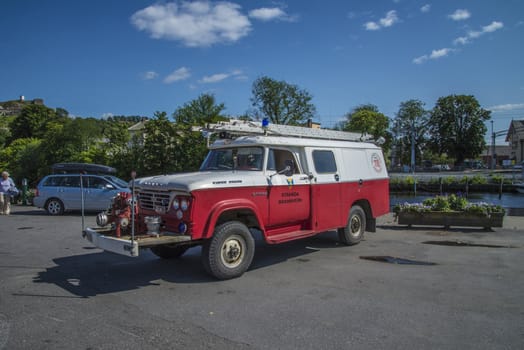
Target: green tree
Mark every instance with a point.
(366, 119)
(190, 146)
(69, 140)
(32, 121)
(24, 159)
(5, 132)
(122, 151)
(456, 127)
(410, 126)
(159, 145)
(281, 102)
(200, 111)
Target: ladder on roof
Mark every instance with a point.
(242, 127)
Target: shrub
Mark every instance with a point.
(474, 180)
(448, 204)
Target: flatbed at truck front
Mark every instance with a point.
(124, 245)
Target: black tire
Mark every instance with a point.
(229, 253)
(54, 206)
(169, 251)
(356, 225)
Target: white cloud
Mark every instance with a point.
(460, 15)
(426, 8)
(215, 78)
(387, 21)
(149, 75)
(195, 24)
(435, 54)
(439, 53)
(490, 28)
(506, 107)
(390, 19)
(182, 73)
(267, 14)
(463, 40)
(420, 59)
(371, 26)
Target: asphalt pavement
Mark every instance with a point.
(427, 288)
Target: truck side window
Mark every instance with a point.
(277, 160)
(324, 162)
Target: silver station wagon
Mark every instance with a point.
(62, 192)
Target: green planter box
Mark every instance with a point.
(447, 219)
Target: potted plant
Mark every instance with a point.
(449, 211)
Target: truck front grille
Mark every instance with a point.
(154, 200)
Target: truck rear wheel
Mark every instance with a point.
(356, 225)
(169, 251)
(228, 254)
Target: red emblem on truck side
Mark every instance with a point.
(375, 161)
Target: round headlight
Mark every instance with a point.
(176, 204)
(179, 215)
(102, 219)
(184, 204)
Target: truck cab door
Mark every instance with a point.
(288, 189)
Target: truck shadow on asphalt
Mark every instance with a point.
(99, 273)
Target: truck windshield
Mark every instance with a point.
(241, 158)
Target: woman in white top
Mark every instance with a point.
(7, 189)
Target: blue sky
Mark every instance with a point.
(97, 58)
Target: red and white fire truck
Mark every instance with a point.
(284, 182)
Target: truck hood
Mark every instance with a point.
(187, 182)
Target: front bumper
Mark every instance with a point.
(111, 244)
(103, 238)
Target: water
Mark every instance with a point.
(512, 202)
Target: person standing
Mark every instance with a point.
(7, 189)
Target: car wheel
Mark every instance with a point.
(54, 206)
(169, 251)
(356, 225)
(228, 254)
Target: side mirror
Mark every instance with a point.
(290, 167)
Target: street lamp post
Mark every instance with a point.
(413, 156)
(492, 147)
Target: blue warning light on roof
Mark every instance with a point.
(265, 122)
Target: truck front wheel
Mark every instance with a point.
(228, 254)
(356, 225)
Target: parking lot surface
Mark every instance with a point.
(59, 292)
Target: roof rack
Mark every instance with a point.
(67, 168)
(241, 127)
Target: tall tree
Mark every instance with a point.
(25, 159)
(410, 130)
(190, 145)
(281, 102)
(200, 111)
(159, 145)
(366, 119)
(32, 121)
(457, 127)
